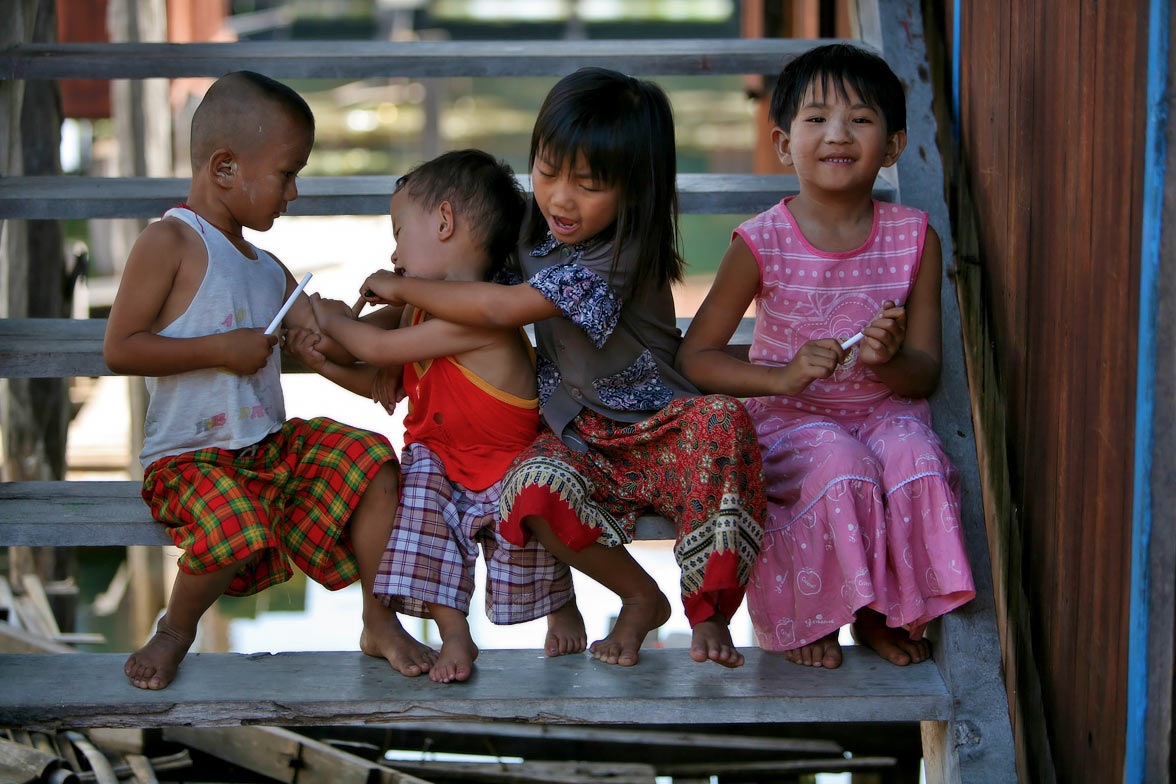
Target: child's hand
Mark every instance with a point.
(380, 288)
(327, 310)
(388, 387)
(247, 350)
(815, 359)
(301, 344)
(884, 335)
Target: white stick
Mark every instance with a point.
(851, 342)
(286, 306)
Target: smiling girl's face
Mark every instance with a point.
(837, 141)
(575, 205)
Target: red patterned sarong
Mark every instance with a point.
(696, 462)
(286, 498)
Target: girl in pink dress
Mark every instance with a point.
(863, 505)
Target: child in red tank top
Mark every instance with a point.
(473, 407)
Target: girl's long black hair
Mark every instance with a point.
(625, 130)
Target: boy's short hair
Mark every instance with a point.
(840, 65)
(230, 105)
(482, 190)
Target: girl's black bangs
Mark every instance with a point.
(607, 159)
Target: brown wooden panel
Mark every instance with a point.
(1052, 120)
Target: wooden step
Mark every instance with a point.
(420, 59)
(66, 348)
(48, 197)
(111, 514)
(90, 690)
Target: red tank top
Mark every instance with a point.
(475, 428)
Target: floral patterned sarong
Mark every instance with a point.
(695, 462)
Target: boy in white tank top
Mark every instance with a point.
(242, 490)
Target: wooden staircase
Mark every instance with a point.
(959, 697)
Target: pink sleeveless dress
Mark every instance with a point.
(863, 505)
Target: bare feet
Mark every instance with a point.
(456, 660)
(894, 645)
(154, 665)
(711, 641)
(385, 638)
(565, 631)
(638, 618)
(825, 652)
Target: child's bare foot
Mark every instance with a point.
(154, 665)
(825, 652)
(385, 638)
(894, 645)
(638, 618)
(456, 660)
(711, 641)
(565, 631)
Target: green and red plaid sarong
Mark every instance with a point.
(286, 498)
(696, 462)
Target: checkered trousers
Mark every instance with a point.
(434, 545)
(285, 498)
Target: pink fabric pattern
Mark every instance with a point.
(863, 505)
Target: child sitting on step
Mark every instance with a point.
(624, 432)
(472, 409)
(242, 490)
(863, 505)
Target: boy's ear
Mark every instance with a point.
(780, 143)
(222, 166)
(446, 225)
(895, 144)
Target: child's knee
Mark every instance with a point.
(386, 482)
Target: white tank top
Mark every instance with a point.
(215, 407)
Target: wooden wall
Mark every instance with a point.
(1052, 123)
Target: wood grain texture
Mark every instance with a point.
(147, 197)
(41, 690)
(1052, 118)
(368, 59)
(55, 348)
(109, 514)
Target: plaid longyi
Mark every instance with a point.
(286, 498)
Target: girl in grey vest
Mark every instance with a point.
(624, 434)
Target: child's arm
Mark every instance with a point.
(154, 267)
(355, 377)
(902, 344)
(382, 347)
(473, 303)
(703, 356)
(301, 316)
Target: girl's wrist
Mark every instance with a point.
(786, 383)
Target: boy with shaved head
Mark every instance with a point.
(244, 492)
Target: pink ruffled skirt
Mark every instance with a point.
(862, 512)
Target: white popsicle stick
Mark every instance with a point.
(286, 306)
(851, 342)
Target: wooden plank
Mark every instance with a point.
(112, 514)
(644, 738)
(58, 348)
(285, 756)
(16, 640)
(148, 197)
(370, 59)
(772, 768)
(42, 690)
(534, 772)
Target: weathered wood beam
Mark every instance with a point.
(286, 756)
(36, 348)
(149, 197)
(112, 514)
(40, 690)
(371, 59)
